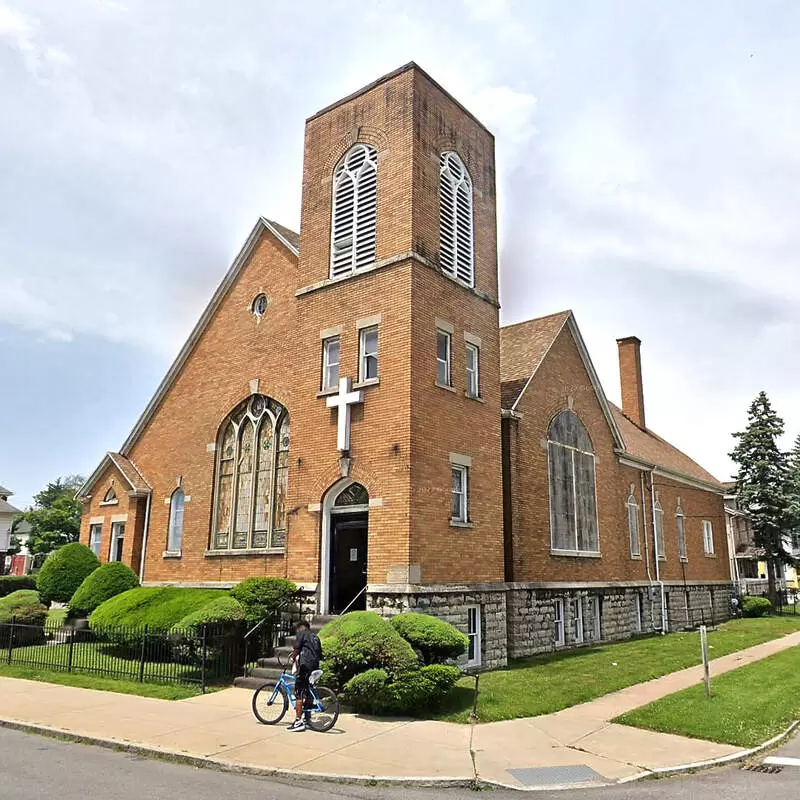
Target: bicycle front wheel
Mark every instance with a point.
(324, 717)
(270, 703)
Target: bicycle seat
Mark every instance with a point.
(315, 676)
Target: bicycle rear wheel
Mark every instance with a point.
(270, 703)
(324, 719)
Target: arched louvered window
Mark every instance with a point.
(252, 477)
(456, 244)
(355, 205)
(573, 501)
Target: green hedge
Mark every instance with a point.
(417, 691)
(64, 571)
(24, 608)
(437, 641)
(13, 583)
(756, 606)
(262, 597)
(158, 607)
(222, 611)
(360, 641)
(106, 582)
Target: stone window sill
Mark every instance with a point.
(476, 397)
(454, 523)
(662, 558)
(171, 554)
(636, 558)
(445, 386)
(250, 551)
(366, 383)
(684, 560)
(327, 392)
(574, 553)
(109, 503)
(710, 555)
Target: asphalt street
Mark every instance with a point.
(35, 767)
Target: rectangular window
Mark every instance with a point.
(573, 507)
(117, 541)
(473, 370)
(577, 620)
(330, 363)
(458, 508)
(633, 529)
(681, 529)
(443, 342)
(558, 622)
(639, 612)
(368, 354)
(596, 612)
(95, 534)
(708, 538)
(474, 636)
(659, 525)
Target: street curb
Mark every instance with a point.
(715, 762)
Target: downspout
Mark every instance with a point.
(144, 536)
(646, 548)
(664, 620)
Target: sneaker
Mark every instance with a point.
(297, 726)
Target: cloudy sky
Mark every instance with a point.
(648, 171)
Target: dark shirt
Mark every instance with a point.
(307, 644)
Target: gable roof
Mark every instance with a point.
(7, 508)
(5, 492)
(289, 239)
(649, 448)
(125, 467)
(523, 349)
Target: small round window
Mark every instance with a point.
(259, 306)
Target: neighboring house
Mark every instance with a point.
(435, 461)
(7, 514)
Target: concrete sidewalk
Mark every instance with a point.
(575, 746)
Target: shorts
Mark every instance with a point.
(301, 685)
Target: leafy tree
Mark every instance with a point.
(762, 483)
(55, 518)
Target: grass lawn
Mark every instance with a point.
(56, 616)
(159, 690)
(544, 684)
(747, 707)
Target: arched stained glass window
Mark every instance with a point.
(175, 535)
(354, 213)
(353, 495)
(456, 244)
(110, 496)
(252, 472)
(573, 501)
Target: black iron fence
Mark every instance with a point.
(202, 655)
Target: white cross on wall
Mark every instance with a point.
(342, 402)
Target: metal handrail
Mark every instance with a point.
(275, 613)
(347, 607)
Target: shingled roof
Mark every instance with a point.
(291, 237)
(126, 468)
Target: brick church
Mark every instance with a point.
(348, 413)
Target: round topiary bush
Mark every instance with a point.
(361, 641)
(64, 571)
(25, 610)
(106, 582)
(216, 629)
(220, 612)
(263, 597)
(437, 641)
(756, 606)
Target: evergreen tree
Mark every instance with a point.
(794, 487)
(762, 483)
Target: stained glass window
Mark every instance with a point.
(252, 477)
(353, 495)
(176, 507)
(573, 500)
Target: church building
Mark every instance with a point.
(348, 413)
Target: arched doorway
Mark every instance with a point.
(344, 548)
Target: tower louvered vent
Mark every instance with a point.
(355, 203)
(455, 219)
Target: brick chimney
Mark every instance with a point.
(630, 377)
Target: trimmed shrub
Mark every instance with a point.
(13, 583)
(106, 582)
(222, 611)
(158, 607)
(262, 597)
(756, 606)
(436, 641)
(415, 691)
(64, 571)
(361, 641)
(24, 608)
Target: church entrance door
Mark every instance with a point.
(348, 568)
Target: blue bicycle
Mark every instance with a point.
(272, 700)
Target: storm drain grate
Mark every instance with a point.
(556, 776)
(769, 769)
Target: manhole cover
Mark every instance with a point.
(555, 776)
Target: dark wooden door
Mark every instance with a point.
(348, 562)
